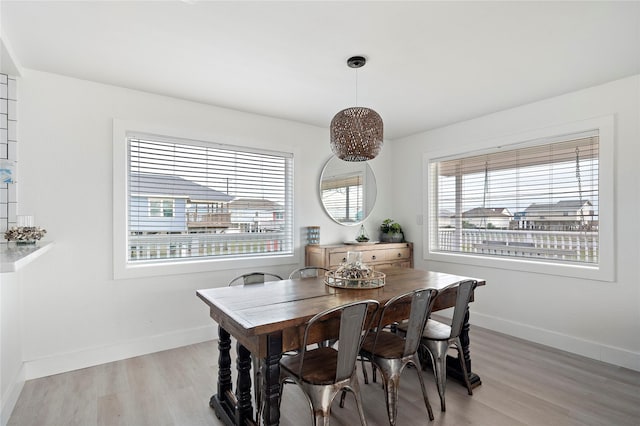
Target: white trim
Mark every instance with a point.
(10, 399)
(587, 348)
(122, 269)
(69, 361)
(605, 271)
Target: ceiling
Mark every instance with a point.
(430, 64)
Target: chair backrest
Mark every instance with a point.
(307, 272)
(353, 326)
(465, 290)
(254, 278)
(421, 301)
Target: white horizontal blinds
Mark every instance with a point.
(539, 200)
(343, 197)
(192, 199)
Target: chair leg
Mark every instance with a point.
(390, 372)
(438, 351)
(463, 365)
(364, 371)
(320, 398)
(416, 362)
(356, 393)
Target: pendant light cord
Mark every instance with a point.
(356, 86)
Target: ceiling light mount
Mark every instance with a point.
(356, 61)
(356, 132)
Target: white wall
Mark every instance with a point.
(597, 319)
(11, 366)
(75, 314)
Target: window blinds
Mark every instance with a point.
(192, 199)
(538, 200)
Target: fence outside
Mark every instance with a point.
(170, 246)
(568, 246)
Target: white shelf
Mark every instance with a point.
(14, 257)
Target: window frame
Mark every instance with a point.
(603, 271)
(122, 267)
(162, 209)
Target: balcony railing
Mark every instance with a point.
(208, 220)
(171, 246)
(566, 246)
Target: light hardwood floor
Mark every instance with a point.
(522, 384)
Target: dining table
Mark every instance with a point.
(268, 319)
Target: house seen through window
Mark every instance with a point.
(190, 199)
(537, 201)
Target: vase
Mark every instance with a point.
(395, 237)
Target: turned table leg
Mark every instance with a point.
(453, 364)
(271, 382)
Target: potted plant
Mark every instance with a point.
(391, 231)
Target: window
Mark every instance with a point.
(534, 202)
(160, 208)
(196, 200)
(343, 197)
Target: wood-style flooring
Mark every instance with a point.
(522, 384)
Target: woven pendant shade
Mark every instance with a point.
(356, 134)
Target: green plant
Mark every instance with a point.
(390, 226)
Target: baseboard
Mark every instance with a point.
(69, 361)
(594, 350)
(13, 393)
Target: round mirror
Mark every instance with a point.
(347, 190)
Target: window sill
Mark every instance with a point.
(15, 257)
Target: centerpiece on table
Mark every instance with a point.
(354, 274)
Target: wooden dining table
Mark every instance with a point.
(268, 319)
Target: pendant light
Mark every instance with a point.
(356, 132)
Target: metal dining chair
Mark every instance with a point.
(322, 372)
(438, 337)
(254, 278)
(307, 272)
(391, 353)
(311, 272)
(256, 364)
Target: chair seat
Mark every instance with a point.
(389, 345)
(319, 367)
(435, 330)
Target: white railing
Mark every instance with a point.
(164, 246)
(570, 246)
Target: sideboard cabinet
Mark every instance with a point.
(375, 255)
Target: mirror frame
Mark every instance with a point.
(344, 170)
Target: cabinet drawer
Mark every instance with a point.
(335, 259)
(398, 254)
(372, 256)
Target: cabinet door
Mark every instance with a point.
(401, 264)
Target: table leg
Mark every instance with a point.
(453, 364)
(271, 381)
(243, 389)
(223, 407)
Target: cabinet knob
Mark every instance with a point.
(399, 254)
(373, 257)
(344, 260)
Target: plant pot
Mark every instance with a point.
(396, 237)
